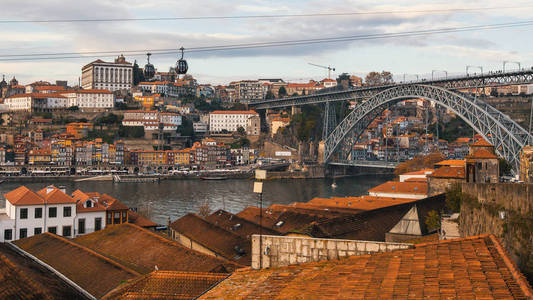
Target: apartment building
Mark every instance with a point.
(90, 99)
(230, 120)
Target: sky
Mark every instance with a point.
(421, 55)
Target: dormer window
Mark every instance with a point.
(88, 204)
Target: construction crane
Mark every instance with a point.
(324, 67)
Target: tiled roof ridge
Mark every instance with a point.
(241, 219)
(513, 269)
(173, 243)
(94, 253)
(214, 225)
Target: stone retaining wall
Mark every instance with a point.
(284, 250)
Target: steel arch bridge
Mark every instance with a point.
(497, 128)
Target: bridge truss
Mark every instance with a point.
(505, 134)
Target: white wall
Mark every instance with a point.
(90, 220)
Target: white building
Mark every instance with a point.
(28, 213)
(36, 102)
(200, 127)
(90, 99)
(155, 87)
(229, 120)
(111, 76)
(150, 120)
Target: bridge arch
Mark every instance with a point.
(497, 128)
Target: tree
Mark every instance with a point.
(282, 92)
(419, 162)
(269, 95)
(241, 130)
(454, 197)
(73, 108)
(505, 167)
(432, 220)
(138, 75)
(186, 128)
(376, 78)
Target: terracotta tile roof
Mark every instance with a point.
(142, 250)
(238, 225)
(482, 154)
(23, 278)
(55, 196)
(81, 198)
(466, 268)
(23, 196)
(481, 143)
(452, 163)
(419, 172)
(358, 203)
(234, 112)
(312, 211)
(463, 140)
(416, 180)
(219, 240)
(372, 225)
(167, 285)
(282, 221)
(449, 172)
(396, 187)
(135, 218)
(90, 270)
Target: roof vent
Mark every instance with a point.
(49, 189)
(416, 188)
(239, 250)
(393, 187)
(236, 226)
(279, 224)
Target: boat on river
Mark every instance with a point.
(214, 178)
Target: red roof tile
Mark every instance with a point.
(449, 172)
(23, 196)
(482, 154)
(397, 187)
(167, 285)
(467, 268)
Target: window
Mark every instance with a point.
(23, 233)
(67, 211)
(8, 234)
(37, 230)
(67, 231)
(38, 212)
(97, 224)
(81, 226)
(52, 229)
(23, 213)
(52, 212)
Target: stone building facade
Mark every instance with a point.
(113, 76)
(526, 164)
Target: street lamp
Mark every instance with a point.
(260, 175)
(434, 71)
(477, 67)
(511, 62)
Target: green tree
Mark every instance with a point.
(270, 95)
(432, 220)
(186, 128)
(241, 130)
(505, 167)
(376, 78)
(138, 75)
(282, 92)
(454, 197)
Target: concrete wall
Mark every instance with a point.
(440, 185)
(288, 250)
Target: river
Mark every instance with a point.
(175, 198)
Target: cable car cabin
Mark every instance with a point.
(149, 70)
(181, 65)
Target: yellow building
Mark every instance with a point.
(39, 157)
(148, 101)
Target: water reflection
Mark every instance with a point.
(175, 198)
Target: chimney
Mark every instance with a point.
(63, 189)
(49, 189)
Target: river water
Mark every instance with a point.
(175, 198)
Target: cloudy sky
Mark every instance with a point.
(408, 55)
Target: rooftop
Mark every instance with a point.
(233, 112)
(482, 154)
(238, 225)
(396, 187)
(481, 143)
(466, 268)
(142, 250)
(219, 240)
(452, 163)
(90, 270)
(167, 285)
(449, 172)
(23, 278)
